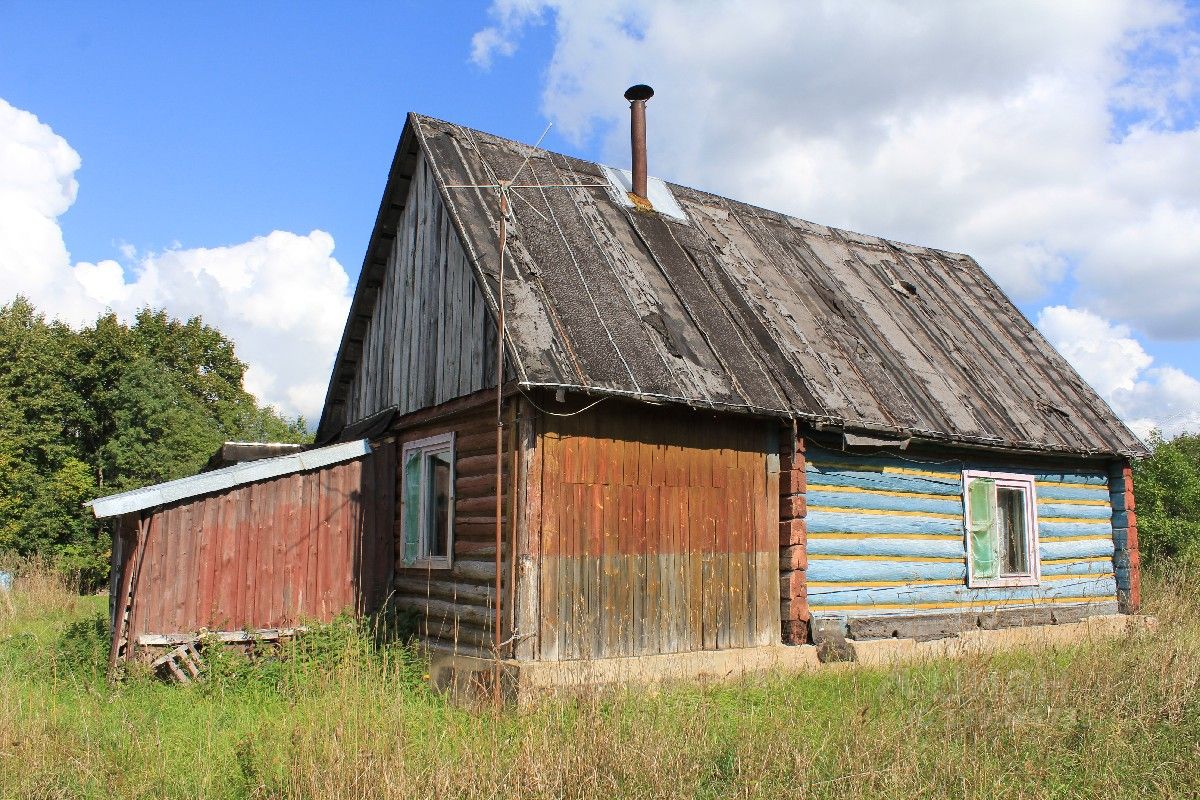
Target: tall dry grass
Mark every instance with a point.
(38, 593)
(1104, 719)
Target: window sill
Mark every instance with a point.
(430, 563)
(1005, 583)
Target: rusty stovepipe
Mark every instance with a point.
(637, 97)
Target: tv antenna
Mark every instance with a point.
(505, 190)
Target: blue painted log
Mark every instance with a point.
(1104, 567)
(1120, 538)
(1124, 577)
(949, 548)
(1120, 519)
(1071, 493)
(1091, 478)
(897, 571)
(914, 595)
(840, 522)
(852, 463)
(1045, 509)
(1051, 530)
(896, 483)
(818, 497)
(1086, 548)
(1117, 500)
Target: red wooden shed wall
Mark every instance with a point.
(265, 555)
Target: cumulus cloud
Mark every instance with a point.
(1058, 143)
(1033, 135)
(281, 297)
(1116, 364)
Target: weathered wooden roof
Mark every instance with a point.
(749, 310)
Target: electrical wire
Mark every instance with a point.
(588, 407)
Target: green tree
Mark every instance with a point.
(107, 408)
(1167, 490)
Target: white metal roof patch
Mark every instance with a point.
(660, 195)
(219, 479)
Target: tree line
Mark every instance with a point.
(106, 408)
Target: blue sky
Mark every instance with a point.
(210, 124)
(230, 158)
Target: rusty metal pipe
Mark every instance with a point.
(637, 97)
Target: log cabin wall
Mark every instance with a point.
(886, 549)
(1127, 562)
(430, 337)
(268, 554)
(456, 606)
(656, 531)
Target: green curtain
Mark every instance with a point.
(985, 541)
(412, 505)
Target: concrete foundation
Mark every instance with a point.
(525, 682)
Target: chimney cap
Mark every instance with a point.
(639, 92)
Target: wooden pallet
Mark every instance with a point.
(183, 664)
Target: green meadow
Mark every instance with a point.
(340, 715)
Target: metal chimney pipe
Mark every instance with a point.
(637, 97)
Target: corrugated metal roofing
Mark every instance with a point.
(220, 479)
(745, 309)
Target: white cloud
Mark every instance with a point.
(1116, 364)
(282, 298)
(983, 127)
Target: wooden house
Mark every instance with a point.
(717, 427)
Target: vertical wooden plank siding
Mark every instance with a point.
(658, 534)
(247, 558)
(430, 338)
(456, 606)
(885, 535)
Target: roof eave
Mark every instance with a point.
(838, 424)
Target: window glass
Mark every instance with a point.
(981, 494)
(437, 506)
(1010, 514)
(427, 494)
(412, 503)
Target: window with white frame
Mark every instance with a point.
(1002, 535)
(427, 501)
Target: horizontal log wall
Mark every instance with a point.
(430, 337)
(457, 605)
(886, 536)
(658, 533)
(269, 554)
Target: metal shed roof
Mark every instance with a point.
(745, 309)
(207, 482)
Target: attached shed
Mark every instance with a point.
(257, 547)
(706, 427)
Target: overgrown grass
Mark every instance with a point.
(341, 718)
